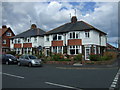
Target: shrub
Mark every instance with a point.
(110, 54)
(94, 57)
(57, 57)
(78, 57)
(11, 52)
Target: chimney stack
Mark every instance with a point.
(33, 26)
(73, 19)
(4, 26)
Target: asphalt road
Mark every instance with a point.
(57, 76)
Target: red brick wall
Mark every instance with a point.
(7, 38)
(17, 45)
(27, 45)
(57, 43)
(75, 42)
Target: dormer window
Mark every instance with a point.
(8, 34)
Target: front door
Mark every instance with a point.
(87, 53)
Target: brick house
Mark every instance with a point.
(28, 42)
(75, 37)
(6, 34)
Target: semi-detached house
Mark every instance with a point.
(28, 42)
(75, 37)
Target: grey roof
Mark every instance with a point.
(30, 33)
(79, 25)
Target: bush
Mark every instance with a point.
(57, 57)
(110, 54)
(78, 57)
(94, 57)
(104, 58)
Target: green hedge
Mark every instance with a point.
(78, 57)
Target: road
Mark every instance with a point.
(57, 76)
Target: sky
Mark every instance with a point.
(48, 15)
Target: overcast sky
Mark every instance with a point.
(49, 15)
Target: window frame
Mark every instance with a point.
(8, 34)
(74, 35)
(4, 42)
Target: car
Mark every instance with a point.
(29, 60)
(8, 59)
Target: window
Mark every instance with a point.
(19, 40)
(12, 41)
(35, 39)
(74, 35)
(74, 50)
(8, 34)
(87, 34)
(4, 41)
(25, 39)
(15, 41)
(57, 37)
(47, 38)
(57, 49)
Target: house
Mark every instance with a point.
(6, 34)
(75, 37)
(28, 42)
(111, 47)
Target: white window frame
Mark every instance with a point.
(87, 34)
(57, 37)
(57, 49)
(75, 35)
(75, 47)
(47, 39)
(4, 42)
(8, 34)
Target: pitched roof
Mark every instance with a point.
(30, 32)
(4, 30)
(79, 25)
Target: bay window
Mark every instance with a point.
(74, 49)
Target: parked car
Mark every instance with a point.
(8, 59)
(29, 60)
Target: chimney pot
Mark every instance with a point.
(33, 26)
(73, 19)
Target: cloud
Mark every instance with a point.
(49, 15)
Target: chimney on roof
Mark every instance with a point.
(73, 19)
(33, 26)
(4, 26)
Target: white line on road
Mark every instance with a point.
(12, 75)
(62, 85)
(114, 83)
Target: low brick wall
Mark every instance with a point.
(60, 62)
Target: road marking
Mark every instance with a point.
(77, 68)
(115, 81)
(12, 75)
(62, 85)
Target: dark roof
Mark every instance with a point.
(79, 25)
(30, 33)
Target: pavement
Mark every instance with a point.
(58, 76)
